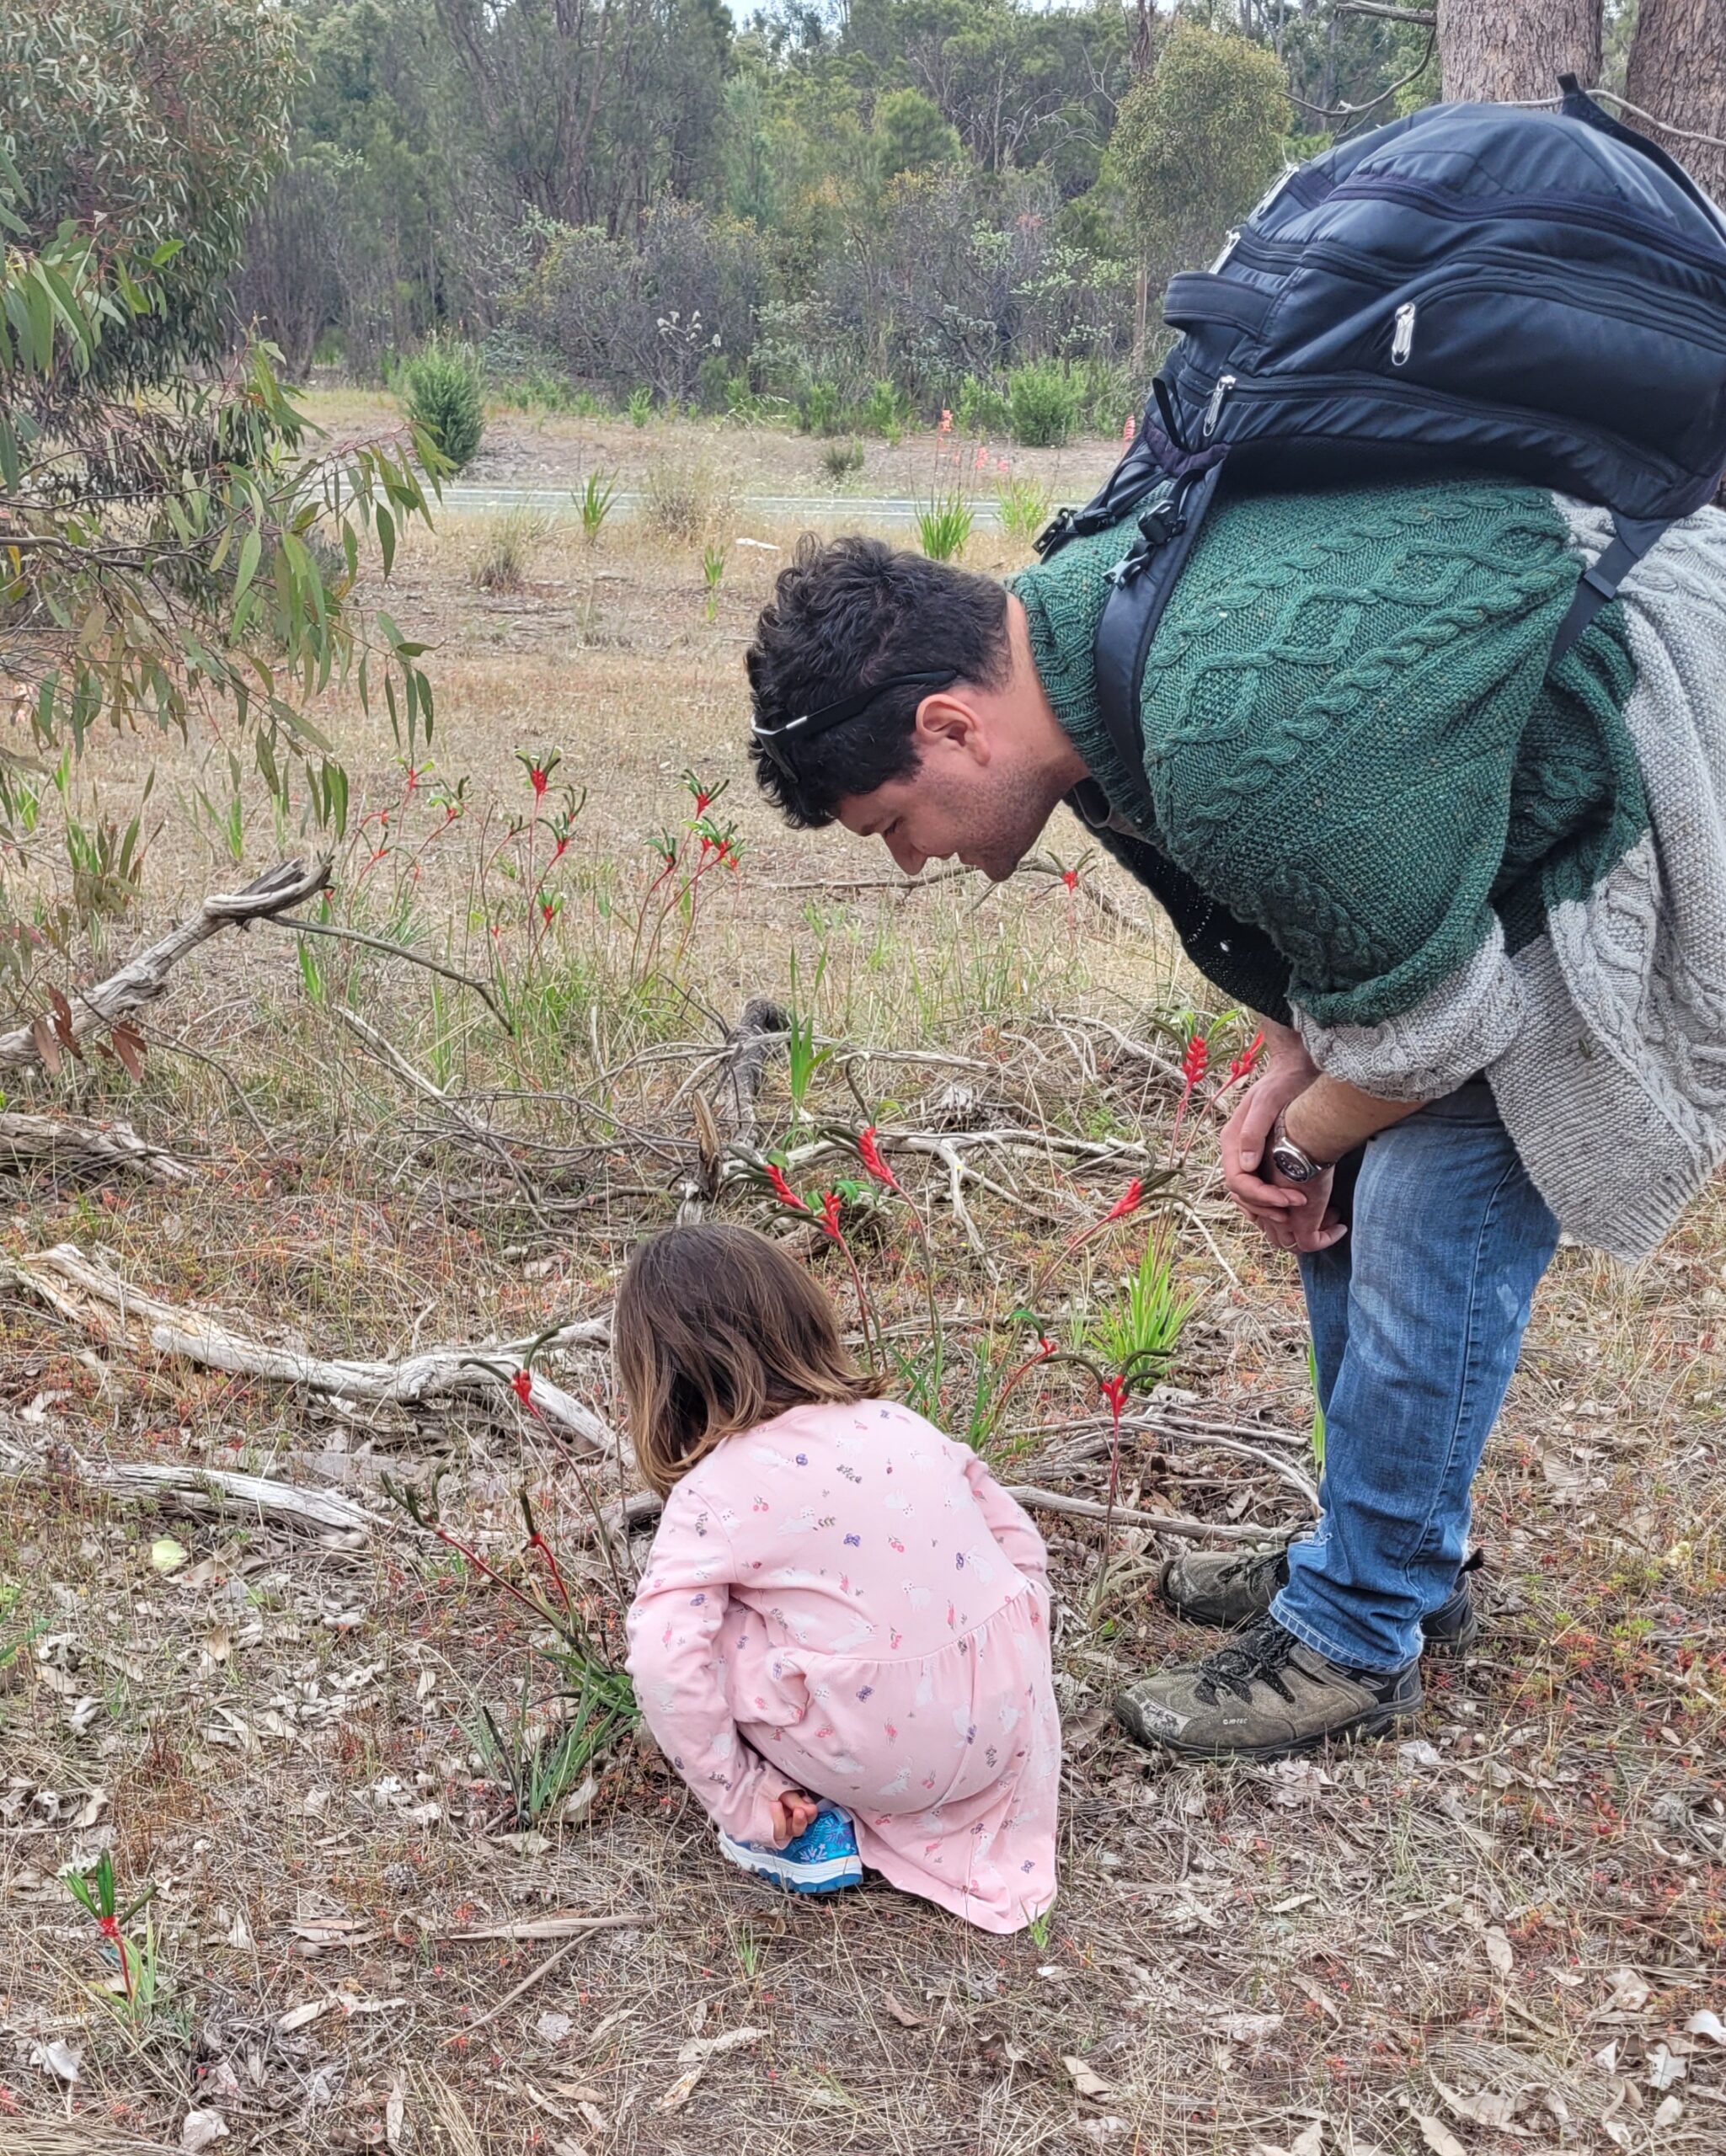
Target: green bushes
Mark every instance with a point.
(444, 393)
(1043, 402)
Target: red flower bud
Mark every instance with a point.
(1248, 1056)
(1129, 1201)
(869, 1153)
(830, 1204)
(521, 1385)
(1195, 1061)
(783, 1190)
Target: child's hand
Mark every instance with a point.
(793, 1815)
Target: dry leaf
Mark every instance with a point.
(1488, 2108)
(1706, 2024)
(1667, 2112)
(198, 2129)
(1438, 2137)
(128, 1045)
(1664, 2068)
(64, 2061)
(395, 2113)
(1497, 1950)
(47, 1047)
(1309, 2141)
(902, 2013)
(681, 2089)
(700, 2049)
(1246, 2028)
(552, 2028)
(1085, 2082)
(1630, 1992)
(297, 2017)
(62, 1022)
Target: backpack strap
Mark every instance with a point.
(1144, 582)
(1598, 583)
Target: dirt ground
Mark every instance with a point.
(1505, 1931)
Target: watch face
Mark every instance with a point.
(1294, 1166)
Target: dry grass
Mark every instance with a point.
(273, 1732)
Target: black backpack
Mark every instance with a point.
(1542, 293)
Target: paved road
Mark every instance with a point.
(775, 509)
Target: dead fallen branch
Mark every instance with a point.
(1188, 1531)
(530, 1928)
(202, 1490)
(98, 1301)
(641, 1507)
(84, 1150)
(98, 1010)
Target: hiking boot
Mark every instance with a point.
(1262, 1696)
(1234, 1588)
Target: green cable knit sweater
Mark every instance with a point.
(1356, 769)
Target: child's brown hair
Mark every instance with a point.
(716, 1330)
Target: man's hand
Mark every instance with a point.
(1309, 1223)
(1246, 1134)
(793, 1814)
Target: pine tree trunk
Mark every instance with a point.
(1515, 50)
(1678, 73)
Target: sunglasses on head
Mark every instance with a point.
(776, 740)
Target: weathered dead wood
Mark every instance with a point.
(98, 1301)
(762, 1028)
(141, 980)
(84, 1149)
(201, 1491)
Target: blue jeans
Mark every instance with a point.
(1417, 1316)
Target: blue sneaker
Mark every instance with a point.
(821, 1860)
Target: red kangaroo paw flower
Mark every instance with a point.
(783, 1190)
(869, 1152)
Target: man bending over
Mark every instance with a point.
(1479, 900)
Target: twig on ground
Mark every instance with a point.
(1189, 1530)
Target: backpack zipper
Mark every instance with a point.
(1402, 339)
(1213, 410)
(1231, 240)
(1310, 388)
(1559, 209)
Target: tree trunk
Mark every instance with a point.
(1514, 50)
(1678, 73)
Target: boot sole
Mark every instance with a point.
(1377, 1723)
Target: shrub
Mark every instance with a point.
(840, 459)
(818, 408)
(1044, 405)
(508, 548)
(682, 501)
(1022, 507)
(444, 394)
(982, 409)
(886, 410)
(640, 406)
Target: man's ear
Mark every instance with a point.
(950, 720)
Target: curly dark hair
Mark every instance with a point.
(847, 612)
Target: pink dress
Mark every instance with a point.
(844, 1601)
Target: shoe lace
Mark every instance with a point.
(1259, 1656)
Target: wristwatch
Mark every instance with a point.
(1289, 1160)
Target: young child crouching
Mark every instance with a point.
(842, 1608)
